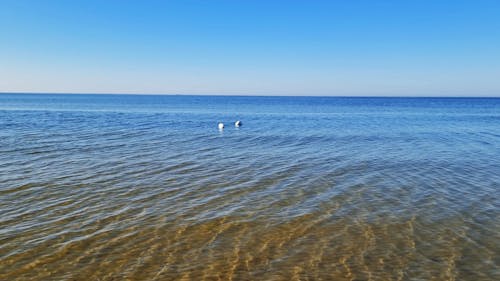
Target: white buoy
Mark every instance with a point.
(221, 126)
(238, 123)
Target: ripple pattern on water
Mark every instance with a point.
(332, 189)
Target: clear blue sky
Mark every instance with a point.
(413, 47)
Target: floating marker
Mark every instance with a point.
(221, 126)
(238, 123)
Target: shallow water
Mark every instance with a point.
(118, 187)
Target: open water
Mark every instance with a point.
(130, 187)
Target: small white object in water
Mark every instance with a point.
(221, 126)
(238, 123)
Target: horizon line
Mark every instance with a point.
(244, 95)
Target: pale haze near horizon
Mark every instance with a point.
(423, 48)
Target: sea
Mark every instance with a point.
(146, 187)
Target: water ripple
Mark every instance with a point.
(152, 195)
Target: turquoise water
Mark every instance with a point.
(112, 187)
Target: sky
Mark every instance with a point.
(239, 47)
